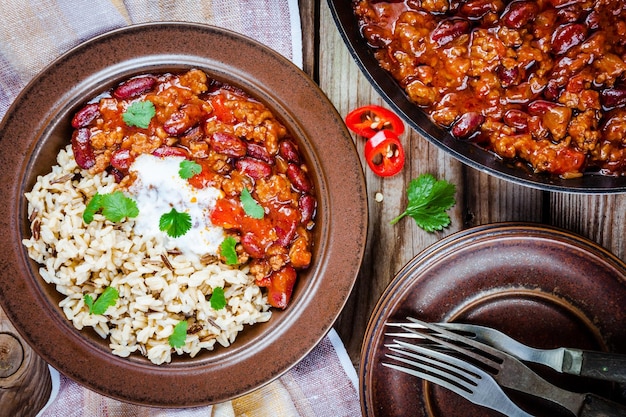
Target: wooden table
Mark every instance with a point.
(481, 198)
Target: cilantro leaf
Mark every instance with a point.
(428, 201)
(250, 206)
(227, 250)
(178, 336)
(188, 169)
(218, 300)
(94, 205)
(115, 207)
(107, 299)
(139, 114)
(175, 223)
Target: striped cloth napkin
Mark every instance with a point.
(33, 33)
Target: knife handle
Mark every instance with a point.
(606, 366)
(596, 406)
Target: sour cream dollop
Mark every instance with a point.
(157, 189)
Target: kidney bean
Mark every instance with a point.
(467, 124)
(121, 159)
(567, 36)
(449, 29)
(376, 36)
(508, 76)
(307, 204)
(259, 152)
(81, 146)
(613, 97)
(85, 115)
(593, 20)
(177, 123)
(519, 13)
(552, 90)
(517, 119)
(540, 107)
(299, 178)
(252, 245)
(254, 168)
(228, 144)
(289, 151)
(478, 8)
(570, 14)
(194, 134)
(116, 173)
(286, 233)
(134, 87)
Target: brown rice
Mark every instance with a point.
(81, 259)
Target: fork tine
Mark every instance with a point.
(454, 374)
(487, 355)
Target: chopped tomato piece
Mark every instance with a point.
(384, 154)
(568, 160)
(221, 111)
(281, 287)
(227, 214)
(205, 178)
(369, 120)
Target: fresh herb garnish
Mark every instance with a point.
(179, 335)
(107, 299)
(227, 250)
(250, 206)
(218, 300)
(175, 223)
(94, 205)
(428, 200)
(115, 207)
(188, 169)
(139, 114)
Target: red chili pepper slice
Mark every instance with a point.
(369, 120)
(384, 154)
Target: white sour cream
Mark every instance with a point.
(157, 189)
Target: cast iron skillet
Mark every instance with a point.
(467, 153)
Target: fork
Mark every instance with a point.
(454, 374)
(600, 365)
(510, 372)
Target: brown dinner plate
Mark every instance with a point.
(37, 126)
(544, 286)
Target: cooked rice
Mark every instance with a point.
(81, 259)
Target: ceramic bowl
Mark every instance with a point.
(37, 126)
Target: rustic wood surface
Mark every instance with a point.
(481, 198)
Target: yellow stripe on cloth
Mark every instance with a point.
(269, 401)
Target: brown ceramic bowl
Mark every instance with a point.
(38, 125)
(543, 286)
(464, 151)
